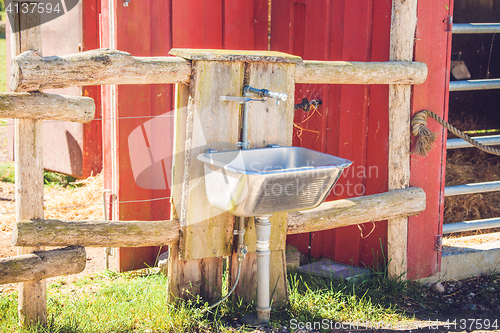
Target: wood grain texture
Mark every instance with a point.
(30, 71)
(178, 155)
(403, 25)
(38, 105)
(189, 278)
(210, 123)
(42, 265)
(235, 55)
(370, 208)
(95, 233)
(354, 72)
(28, 138)
(182, 272)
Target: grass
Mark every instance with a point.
(51, 179)
(137, 302)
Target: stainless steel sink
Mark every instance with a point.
(261, 182)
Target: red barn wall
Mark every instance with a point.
(352, 122)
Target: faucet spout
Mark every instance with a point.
(265, 93)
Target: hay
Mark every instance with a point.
(471, 165)
(82, 203)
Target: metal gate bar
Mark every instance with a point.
(474, 85)
(472, 188)
(475, 28)
(490, 140)
(471, 225)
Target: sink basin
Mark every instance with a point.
(261, 182)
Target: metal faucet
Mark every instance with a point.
(266, 93)
(262, 93)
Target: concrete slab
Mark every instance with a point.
(467, 257)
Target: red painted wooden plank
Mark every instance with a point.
(92, 132)
(238, 31)
(433, 47)
(378, 133)
(162, 101)
(132, 101)
(282, 21)
(261, 25)
(311, 42)
(353, 122)
(197, 24)
(104, 41)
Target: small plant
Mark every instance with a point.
(55, 179)
(7, 173)
(50, 179)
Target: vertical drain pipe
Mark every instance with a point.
(263, 231)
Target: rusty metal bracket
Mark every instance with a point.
(438, 243)
(448, 21)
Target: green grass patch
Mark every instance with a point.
(51, 179)
(7, 173)
(55, 179)
(137, 302)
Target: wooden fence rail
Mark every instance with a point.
(329, 215)
(42, 265)
(32, 72)
(95, 233)
(370, 208)
(344, 72)
(38, 105)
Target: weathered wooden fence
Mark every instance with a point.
(193, 71)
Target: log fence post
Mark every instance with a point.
(403, 25)
(28, 140)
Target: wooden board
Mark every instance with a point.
(207, 231)
(220, 24)
(432, 46)
(269, 123)
(187, 277)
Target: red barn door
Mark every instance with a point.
(352, 121)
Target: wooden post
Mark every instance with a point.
(187, 277)
(269, 123)
(28, 140)
(403, 24)
(203, 121)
